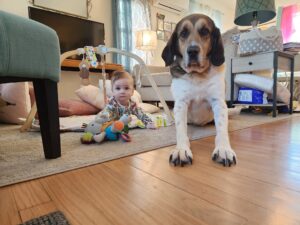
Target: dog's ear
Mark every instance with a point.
(171, 49)
(217, 50)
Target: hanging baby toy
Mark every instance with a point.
(84, 71)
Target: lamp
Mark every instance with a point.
(146, 40)
(252, 12)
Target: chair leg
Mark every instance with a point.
(47, 106)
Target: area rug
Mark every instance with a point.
(22, 157)
(54, 218)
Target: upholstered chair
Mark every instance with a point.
(29, 51)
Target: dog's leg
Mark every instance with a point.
(182, 154)
(223, 152)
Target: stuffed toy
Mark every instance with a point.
(98, 131)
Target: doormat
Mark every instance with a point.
(54, 218)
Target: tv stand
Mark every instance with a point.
(73, 65)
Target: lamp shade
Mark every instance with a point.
(248, 10)
(146, 40)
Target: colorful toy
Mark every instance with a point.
(136, 122)
(98, 131)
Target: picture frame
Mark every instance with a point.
(78, 8)
(160, 35)
(168, 26)
(160, 24)
(160, 21)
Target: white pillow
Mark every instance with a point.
(263, 84)
(18, 95)
(136, 97)
(108, 87)
(91, 95)
(148, 108)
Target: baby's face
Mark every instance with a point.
(123, 90)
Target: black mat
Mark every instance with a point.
(54, 218)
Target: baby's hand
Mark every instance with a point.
(151, 125)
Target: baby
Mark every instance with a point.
(120, 103)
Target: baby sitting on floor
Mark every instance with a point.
(119, 105)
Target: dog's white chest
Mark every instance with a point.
(197, 93)
(189, 89)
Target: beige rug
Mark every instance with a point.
(22, 158)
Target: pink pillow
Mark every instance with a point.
(72, 107)
(18, 95)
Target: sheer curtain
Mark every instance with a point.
(130, 16)
(197, 7)
(122, 30)
(141, 9)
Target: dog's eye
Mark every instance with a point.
(184, 33)
(203, 31)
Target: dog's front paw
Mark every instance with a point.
(224, 155)
(181, 157)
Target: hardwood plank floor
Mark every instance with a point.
(262, 189)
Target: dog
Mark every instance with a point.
(195, 54)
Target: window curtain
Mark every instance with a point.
(289, 20)
(141, 9)
(122, 30)
(196, 6)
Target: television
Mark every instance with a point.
(73, 32)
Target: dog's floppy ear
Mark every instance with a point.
(171, 49)
(217, 51)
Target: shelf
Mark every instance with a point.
(259, 105)
(73, 64)
(276, 61)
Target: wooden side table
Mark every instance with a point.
(277, 61)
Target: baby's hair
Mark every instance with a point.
(116, 75)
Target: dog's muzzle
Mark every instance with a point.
(193, 53)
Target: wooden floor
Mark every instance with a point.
(263, 188)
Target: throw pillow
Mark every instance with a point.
(17, 94)
(148, 108)
(108, 87)
(73, 107)
(91, 95)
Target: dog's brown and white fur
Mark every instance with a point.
(195, 55)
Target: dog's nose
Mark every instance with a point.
(193, 51)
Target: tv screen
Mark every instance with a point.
(73, 32)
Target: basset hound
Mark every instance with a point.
(195, 55)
